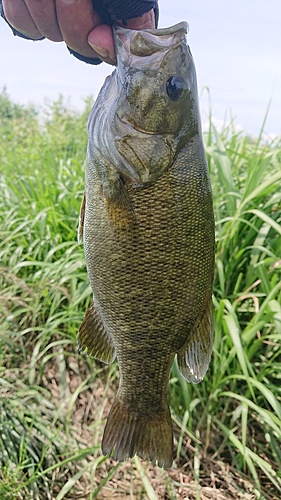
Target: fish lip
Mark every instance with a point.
(132, 128)
(182, 26)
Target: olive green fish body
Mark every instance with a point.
(148, 230)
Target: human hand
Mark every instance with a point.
(73, 21)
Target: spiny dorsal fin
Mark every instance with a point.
(94, 338)
(194, 358)
(81, 219)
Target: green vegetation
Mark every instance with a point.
(53, 400)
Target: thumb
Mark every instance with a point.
(101, 38)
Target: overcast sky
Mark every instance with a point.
(236, 45)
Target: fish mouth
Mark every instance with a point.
(148, 42)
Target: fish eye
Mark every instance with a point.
(175, 86)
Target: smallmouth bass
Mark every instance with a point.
(148, 230)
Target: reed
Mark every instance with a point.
(52, 398)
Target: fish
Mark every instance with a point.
(147, 225)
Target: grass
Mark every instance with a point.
(53, 399)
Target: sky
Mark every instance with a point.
(236, 45)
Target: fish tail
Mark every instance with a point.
(149, 436)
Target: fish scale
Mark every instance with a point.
(148, 235)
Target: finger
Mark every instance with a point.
(76, 19)
(147, 21)
(101, 38)
(43, 13)
(19, 17)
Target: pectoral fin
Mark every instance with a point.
(81, 219)
(94, 337)
(194, 358)
(118, 203)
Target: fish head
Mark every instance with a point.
(157, 110)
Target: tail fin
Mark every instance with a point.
(127, 434)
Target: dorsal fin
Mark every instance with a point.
(94, 338)
(81, 219)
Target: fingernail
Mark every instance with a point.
(68, 2)
(104, 54)
(99, 50)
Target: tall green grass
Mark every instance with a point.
(50, 418)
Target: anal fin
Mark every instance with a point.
(194, 357)
(94, 338)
